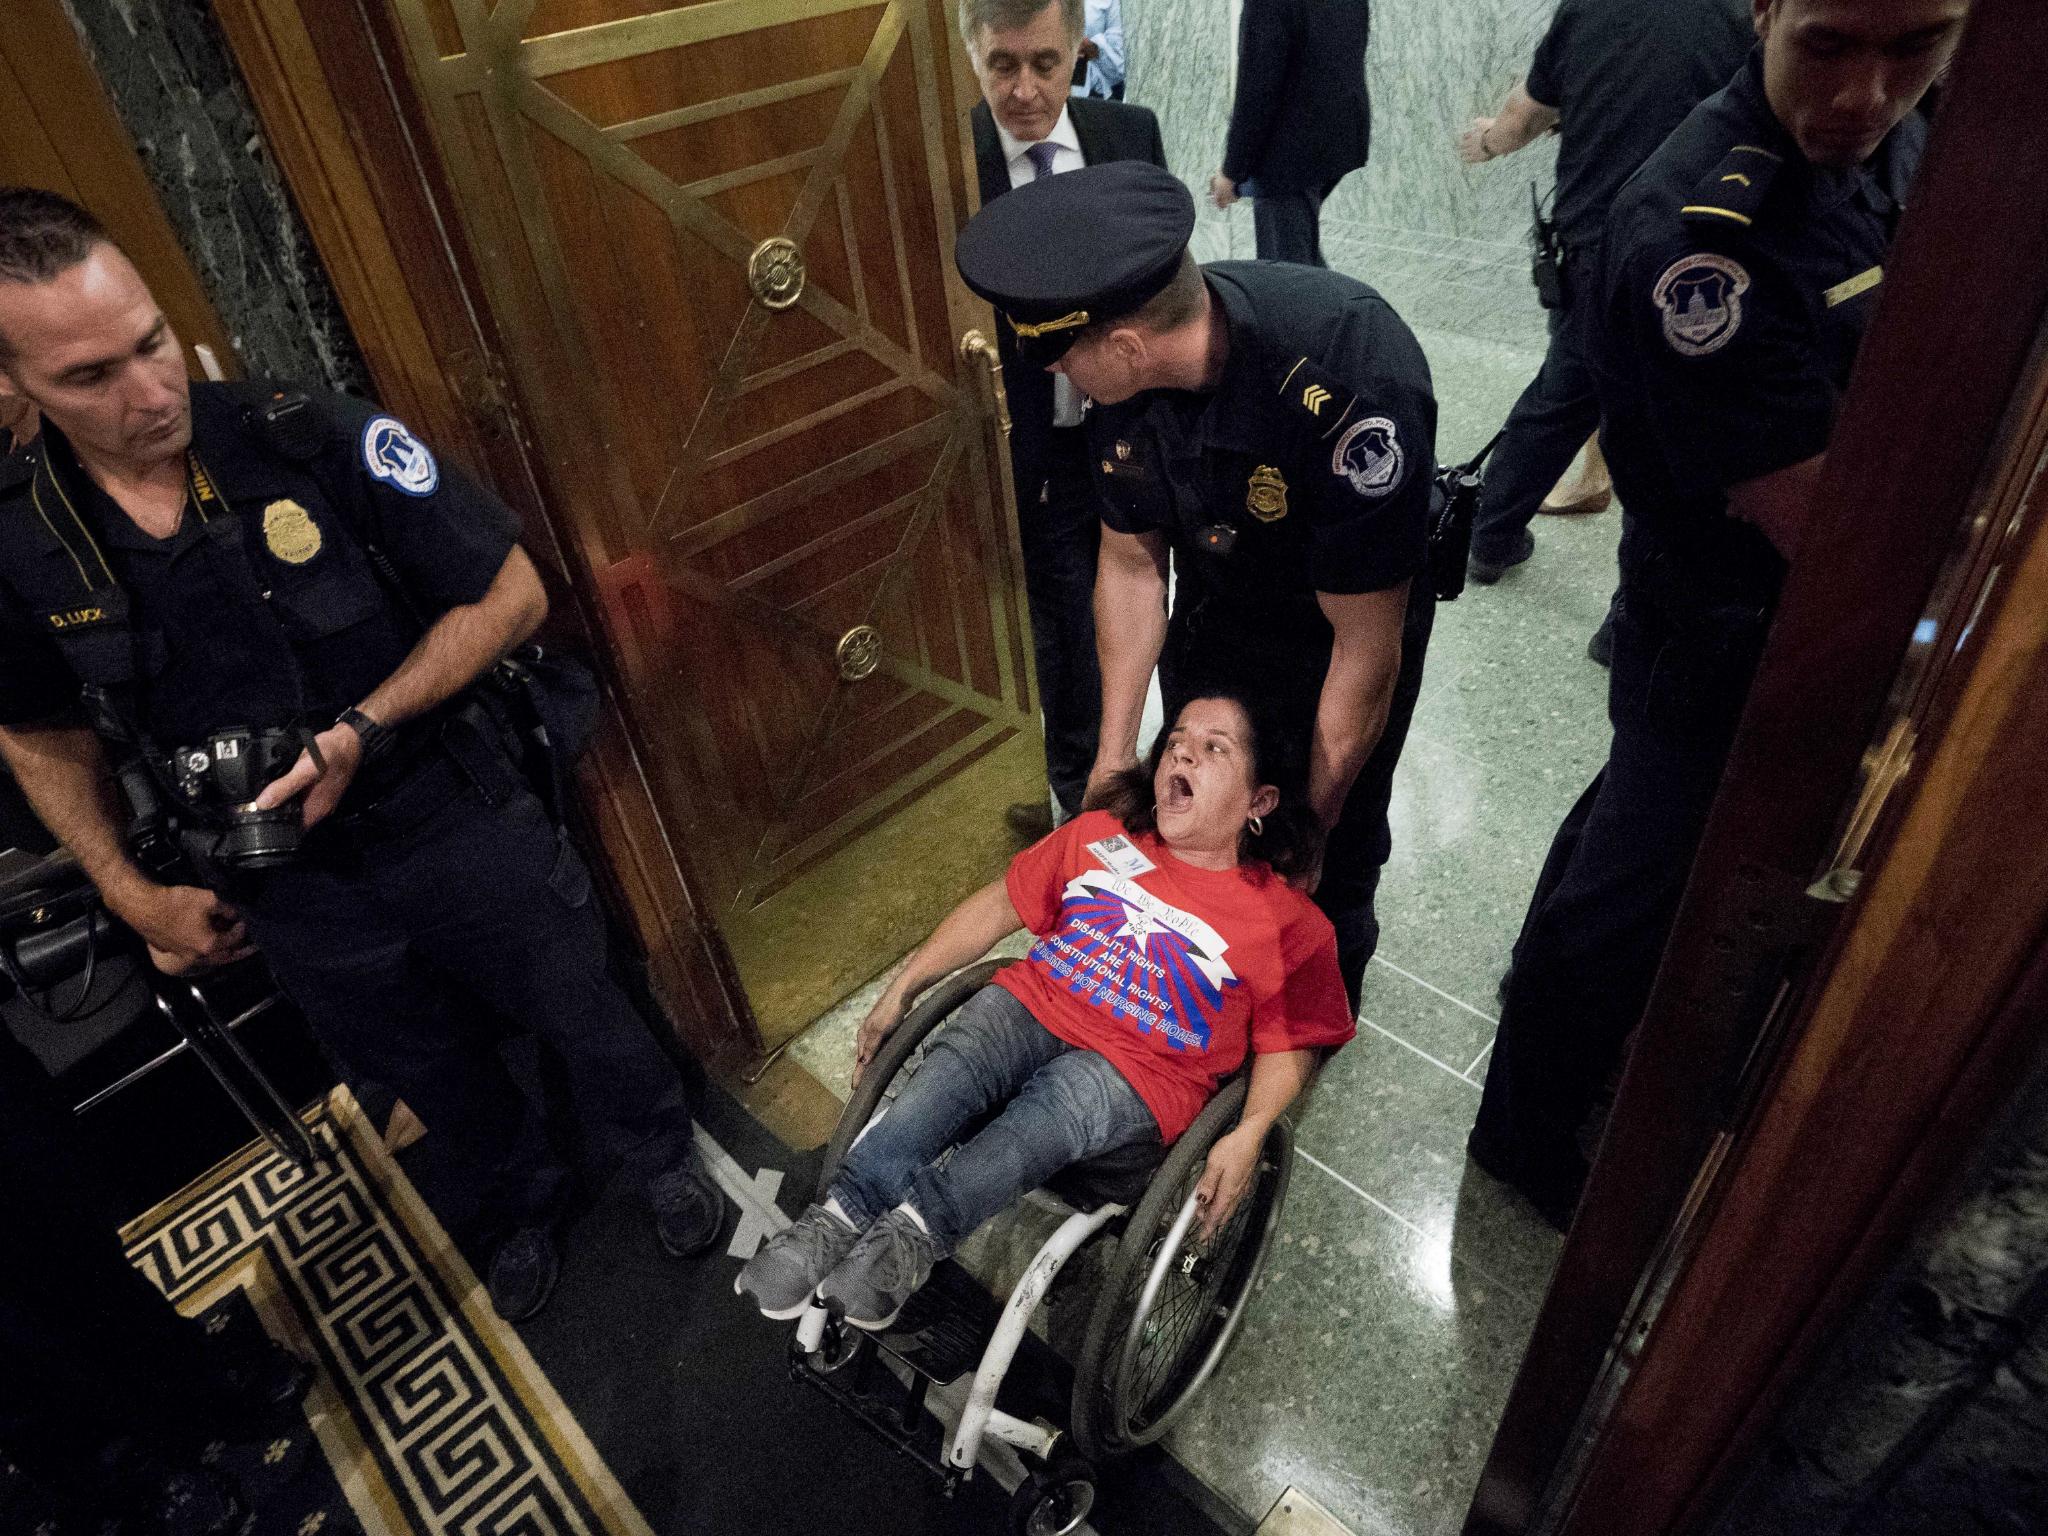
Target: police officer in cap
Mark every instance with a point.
(1741, 266)
(1273, 428)
(280, 594)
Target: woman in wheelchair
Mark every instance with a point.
(1172, 939)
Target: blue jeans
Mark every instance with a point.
(1060, 1104)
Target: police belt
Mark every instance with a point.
(467, 752)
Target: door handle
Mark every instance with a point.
(973, 346)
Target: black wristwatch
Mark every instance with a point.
(377, 740)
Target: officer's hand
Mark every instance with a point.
(1099, 779)
(1222, 190)
(187, 929)
(880, 1023)
(1472, 142)
(1089, 49)
(342, 749)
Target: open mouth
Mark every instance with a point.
(1179, 795)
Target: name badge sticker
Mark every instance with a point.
(1120, 857)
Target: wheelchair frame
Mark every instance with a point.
(1060, 1490)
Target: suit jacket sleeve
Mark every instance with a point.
(1265, 39)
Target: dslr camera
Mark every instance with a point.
(216, 784)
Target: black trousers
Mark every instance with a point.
(1287, 224)
(1610, 887)
(90, 1351)
(459, 927)
(1210, 643)
(1549, 424)
(1060, 531)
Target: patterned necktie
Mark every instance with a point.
(1041, 155)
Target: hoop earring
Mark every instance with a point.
(1257, 825)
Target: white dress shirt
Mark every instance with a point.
(1067, 156)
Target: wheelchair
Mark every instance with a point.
(1158, 1325)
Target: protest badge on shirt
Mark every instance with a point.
(1120, 857)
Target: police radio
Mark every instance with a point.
(1453, 503)
(1547, 264)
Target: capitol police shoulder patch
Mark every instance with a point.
(1369, 456)
(1700, 297)
(394, 455)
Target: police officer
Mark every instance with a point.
(1613, 78)
(1742, 264)
(205, 559)
(1272, 426)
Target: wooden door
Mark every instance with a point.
(718, 239)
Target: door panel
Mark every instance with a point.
(787, 491)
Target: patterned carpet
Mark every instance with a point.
(430, 1413)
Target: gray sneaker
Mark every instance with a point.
(780, 1278)
(893, 1258)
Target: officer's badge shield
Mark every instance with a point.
(1701, 301)
(1265, 496)
(1369, 456)
(395, 456)
(290, 533)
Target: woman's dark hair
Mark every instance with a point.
(1291, 839)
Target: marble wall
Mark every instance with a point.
(174, 85)
(1447, 243)
(1930, 1413)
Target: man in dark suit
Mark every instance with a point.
(1025, 127)
(1301, 122)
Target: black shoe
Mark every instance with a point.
(523, 1274)
(1486, 571)
(1601, 647)
(1030, 819)
(689, 1209)
(1555, 1196)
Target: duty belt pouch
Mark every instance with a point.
(473, 738)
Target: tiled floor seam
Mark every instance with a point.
(1393, 1215)
(1477, 1013)
(1462, 1077)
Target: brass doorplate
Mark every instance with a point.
(776, 273)
(859, 652)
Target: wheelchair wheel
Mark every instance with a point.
(879, 1083)
(1169, 1309)
(1053, 1502)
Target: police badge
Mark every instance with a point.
(1265, 496)
(1701, 300)
(1369, 456)
(290, 533)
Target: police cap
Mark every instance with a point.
(1064, 251)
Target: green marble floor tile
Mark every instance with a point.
(1469, 839)
(1394, 1125)
(1477, 384)
(1451, 1031)
(1370, 1371)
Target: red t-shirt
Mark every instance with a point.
(1169, 970)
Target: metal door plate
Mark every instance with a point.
(776, 273)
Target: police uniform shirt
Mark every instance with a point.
(267, 615)
(1622, 75)
(1307, 470)
(1738, 281)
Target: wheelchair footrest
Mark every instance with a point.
(944, 1327)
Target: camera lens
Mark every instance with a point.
(260, 839)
